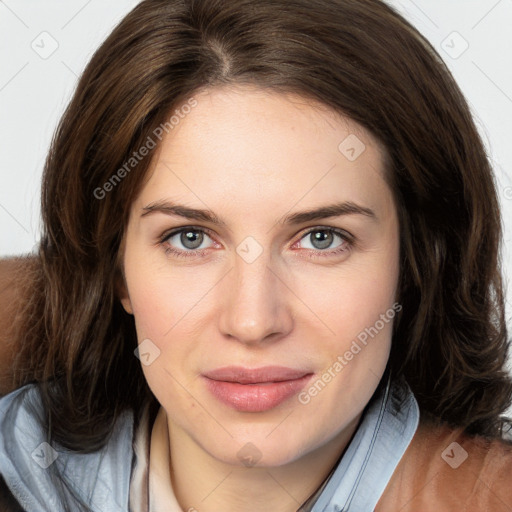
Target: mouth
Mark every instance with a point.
(255, 390)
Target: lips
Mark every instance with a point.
(256, 375)
(257, 389)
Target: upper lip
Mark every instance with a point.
(255, 375)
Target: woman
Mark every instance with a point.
(269, 275)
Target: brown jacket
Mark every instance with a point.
(445, 470)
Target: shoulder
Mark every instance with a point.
(41, 476)
(446, 469)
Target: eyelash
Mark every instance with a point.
(316, 253)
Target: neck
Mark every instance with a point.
(202, 482)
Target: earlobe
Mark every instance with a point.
(122, 292)
(127, 305)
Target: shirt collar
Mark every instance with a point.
(37, 473)
(387, 427)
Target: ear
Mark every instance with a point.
(122, 292)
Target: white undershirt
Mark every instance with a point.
(156, 449)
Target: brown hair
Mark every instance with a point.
(361, 59)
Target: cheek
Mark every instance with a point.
(373, 292)
(354, 364)
(360, 312)
(153, 311)
(349, 300)
(158, 299)
(170, 368)
(161, 307)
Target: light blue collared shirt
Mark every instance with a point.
(102, 479)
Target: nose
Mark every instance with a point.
(254, 303)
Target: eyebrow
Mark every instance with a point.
(323, 212)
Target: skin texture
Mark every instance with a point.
(252, 157)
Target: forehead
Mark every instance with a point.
(250, 147)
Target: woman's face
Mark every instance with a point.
(265, 236)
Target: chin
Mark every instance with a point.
(257, 450)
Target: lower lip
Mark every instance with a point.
(255, 397)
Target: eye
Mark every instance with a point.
(185, 242)
(320, 239)
(191, 241)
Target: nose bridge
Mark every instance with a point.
(254, 306)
